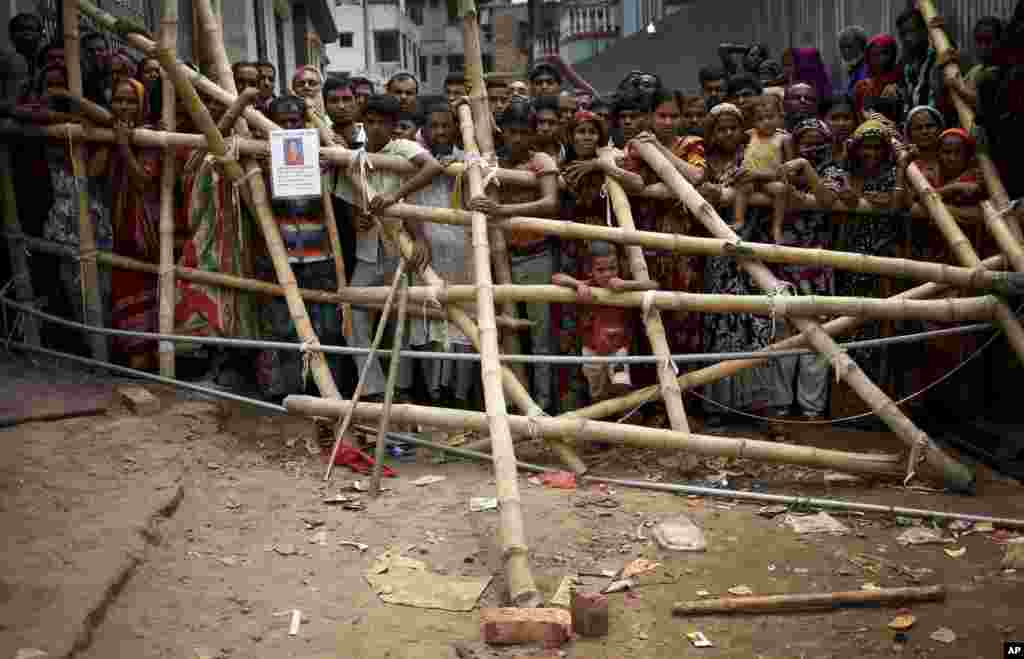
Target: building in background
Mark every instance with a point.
(395, 28)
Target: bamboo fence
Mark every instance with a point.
(169, 41)
(16, 245)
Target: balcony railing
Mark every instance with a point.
(588, 22)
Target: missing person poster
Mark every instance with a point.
(295, 164)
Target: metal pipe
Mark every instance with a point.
(564, 360)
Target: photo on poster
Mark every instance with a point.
(295, 164)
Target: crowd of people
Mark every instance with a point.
(782, 149)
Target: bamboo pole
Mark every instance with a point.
(389, 387)
(358, 393)
(522, 589)
(957, 477)
(92, 309)
(261, 209)
(670, 391)
(810, 601)
(22, 276)
(720, 371)
(964, 252)
(169, 40)
(578, 430)
(1003, 235)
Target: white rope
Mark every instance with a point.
(607, 205)
(647, 303)
(779, 291)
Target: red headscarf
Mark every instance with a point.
(882, 41)
(968, 140)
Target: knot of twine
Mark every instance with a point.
(357, 170)
(307, 348)
(647, 303)
(488, 164)
(840, 362)
(916, 457)
(607, 204)
(780, 290)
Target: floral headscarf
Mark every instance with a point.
(939, 119)
(716, 114)
(585, 116)
(967, 138)
(872, 128)
(818, 154)
(140, 95)
(883, 41)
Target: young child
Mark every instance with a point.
(605, 330)
(407, 126)
(769, 147)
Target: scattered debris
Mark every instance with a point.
(703, 593)
(229, 561)
(293, 628)
(983, 527)
(139, 400)
(346, 502)
(638, 567)
(918, 535)
(352, 543)
(770, 512)
(312, 523)
(944, 635)
(428, 480)
(955, 553)
(902, 623)
(319, 538)
(699, 640)
(869, 586)
(563, 480)
(801, 570)
(589, 614)
(741, 591)
(205, 653)
(618, 586)
(562, 597)
(1014, 556)
(401, 580)
(839, 478)
(820, 523)
(510, 626)
(481, 504)
(679, 534)
(286, 550)
(231, 504)
(30, 653)
(360, 486)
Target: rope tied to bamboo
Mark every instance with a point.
(781, 290)
(607, 204)
(488, 164)
(307, 350)
(916, 457)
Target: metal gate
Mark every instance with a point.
(144, 11)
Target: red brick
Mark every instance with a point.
(511, 626)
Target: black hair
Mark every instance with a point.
(910, 13)
(601, 249)
(495, 81)
(360, 80)
(993, 23)
(633, 100)
(403, 75)
(455, 78)
(890, 107)
(238, 65)
(332, 83)
(418, 118)
(21, 18)
(549, 69)
(154, 96)
(384, 105)
(666, 96)
(265, 64)
(742, 81)
(518, 113)
(828, 103)
(437, 108)
(545, 103)
(599, 102)
(287, 103)
(709, 73)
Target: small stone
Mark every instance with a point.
(511, 626)
(139, 400)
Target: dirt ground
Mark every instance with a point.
(187, 534)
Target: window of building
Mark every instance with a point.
(423, 68)
(386, 46)
(456, 63)
(346, 39)
(436, 60)
(415, 11)
(261, 30)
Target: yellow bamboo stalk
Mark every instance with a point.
(92, 308)
(261, 209)
(964, 252)
(16, 245)
(710, 374)
(389, 388)
(521, 586)
(956, 476)
(1003, 235)
(585, 430)
(943, 47)
(671, 393)
(169, 40)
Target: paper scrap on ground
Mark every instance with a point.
(1014, 557)
(944, 635)
(679, 534)
(919, 535)
(699, 640)
(741, 591)
(639, 566)
(955, 553)
(400, 580)
(480, 504)
(820, 523)
(562, 595)
(428, 480)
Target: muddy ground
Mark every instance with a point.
(186, 534)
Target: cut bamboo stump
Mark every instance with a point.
(964, 252)
(670, 391)
(92, 309)
(954, 475)
(579, 430)
(16, 246)
(1000, 230)
(169, 41)
(722, 370)
(942, 46)
(811, 601)
(521, 586)
(389, 387)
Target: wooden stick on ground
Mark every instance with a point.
(811, 601)
(584, 430)
(358, 393)
(670, 391)
(389, 388)
(16, 245)
(92, 309)
(956, 476)
(169, 40)
(521, 587)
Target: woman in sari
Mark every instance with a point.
(132, 174)
(884, 74)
